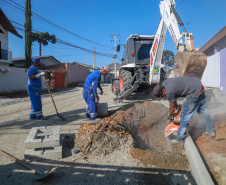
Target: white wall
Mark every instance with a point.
(14, 80)
(4, 45)
(76, 73)
(211, 75)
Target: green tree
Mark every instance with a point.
(28, 33)
(43, 38)
(168, 58)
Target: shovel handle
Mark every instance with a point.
(19, 162)
(50, 93)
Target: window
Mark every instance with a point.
(1, 31)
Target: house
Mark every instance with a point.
(111, 75)
(86, 65)
(5, 27)
(47, 60)
(215, 72)
(112, 68)
(172, 72)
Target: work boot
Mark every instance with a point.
(177, 141)
(211, 134)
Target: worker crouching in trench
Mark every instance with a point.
(195, 100)
(90, 91)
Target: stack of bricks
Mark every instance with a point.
(43, 142)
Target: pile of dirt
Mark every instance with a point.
(96, 140)
(214, 149)
(143, 136)
(217, 144)
(145, 122)
(162, 160)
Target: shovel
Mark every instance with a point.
(42, 175)
(53, 100)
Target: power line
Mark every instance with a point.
(63, 42)
(53, 24)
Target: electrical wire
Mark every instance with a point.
(64, 42)
(53, 24)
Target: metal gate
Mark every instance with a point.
(59, 80)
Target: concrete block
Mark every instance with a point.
(51, 137)
(198, 168)
(30, 153)
(56, 153)
(46, 153)
(102, 109)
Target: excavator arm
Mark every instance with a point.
(190, 62)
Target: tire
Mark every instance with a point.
(125, 76)
(116, 87)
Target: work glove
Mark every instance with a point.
(40, 74)
(97, 98)
(102, 92)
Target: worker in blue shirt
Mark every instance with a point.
(90, 91)
(34, 88)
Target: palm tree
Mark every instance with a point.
(43, 38)
(28, 33)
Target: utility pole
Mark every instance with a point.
(115, 52)
(94, 59)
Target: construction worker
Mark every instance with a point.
(34, 88)
(195, 100)
(90, 91)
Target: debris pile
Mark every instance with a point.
(92, 139)
(142, 137)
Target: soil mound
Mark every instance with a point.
(143, 136)
(145, 122)
(93, 139)
(162, 160)
(217, 144)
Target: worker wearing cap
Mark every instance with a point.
(195, 100)
(34, 88)
(90, 90)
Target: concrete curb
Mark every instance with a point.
(198, 169)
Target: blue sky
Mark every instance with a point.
(96, 20)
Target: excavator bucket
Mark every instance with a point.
(191, 64)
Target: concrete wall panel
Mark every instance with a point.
(223, 71)
(76, 73)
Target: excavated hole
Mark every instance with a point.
(145, 122)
